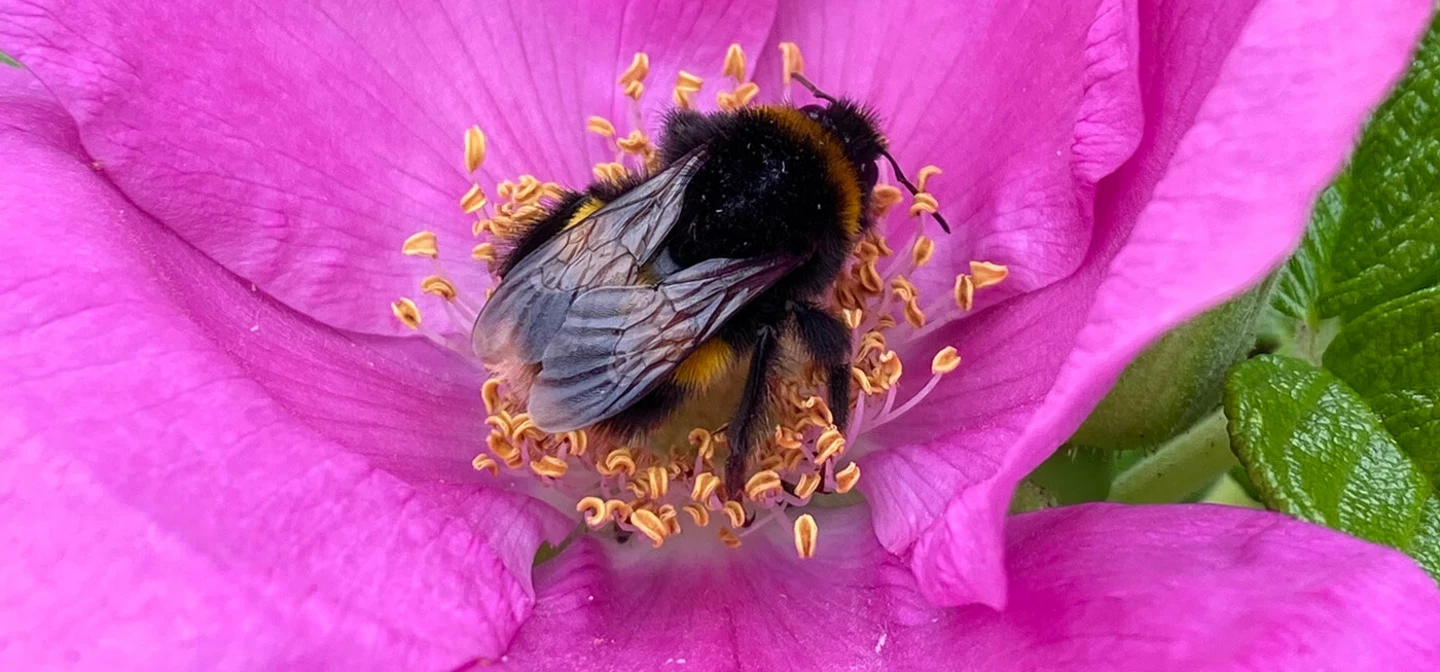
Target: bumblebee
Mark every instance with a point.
(627, 300)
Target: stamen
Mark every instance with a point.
(761, 484)
(791, 61)
(923, 177)
(657, 482)
(964, 292)
(923, 250)
(438, 286)
(846, 478)
(639, 68)
(698, 513)
(635, 143)
(807, 486)
(682, 99)
(421, 245)
(729, 539)
(987, 274)
(923, 203)
(830, 444)
(806, 534)
(619, 460)
(407, 312)
(473, 200)
(734, 64)
(884, 197)
(490, 394)
(485, 252)
(705, 485)
(549, 466)
(945, 361)
(634, 90)
(594, 510)
(650, 525)
(668, 516)
(600, 126)
(853, 317)
(483, 462)
(688, 82)
(474, 148)
(736, 513)
(610, 172)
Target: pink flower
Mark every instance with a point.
(221, 452)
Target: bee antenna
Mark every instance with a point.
(900, 175)
(894, 165)
(814, 90)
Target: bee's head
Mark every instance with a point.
(856, 128)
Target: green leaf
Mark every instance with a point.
(1388, 243)
(6, 60)
(1315, 450)
(1302, 278)
(1391, 356)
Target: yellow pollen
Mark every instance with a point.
(945, 361)
(830, 444)
(617, 508)
(490, 394)
(600, 126)
(473, 200)
(484, 252)
(421, 245)
(852, 317)
(703, 442)
(884, 197)
(923, 203)
(549, 466)
(923, 178)
(610, 172)
(807, 486)
(903, 288)
(964, 292)
(687, 82)
(862, 380)
(438, 286)
(670, 518)
(728, 538)
(578, 441)
(792, 62)
(762, 483)
(890, 368)
(650, 524)
(922, 252)
(734, 64)
(594, 510)
(846, 478)
(483, 462)
(987, 274)
(474, 148)
(635, 143)
(634, 90)
(913, 315)
(867, 251)
(639, 68)
(529, 190)
(736, 513)
(705, 485)
(698, 513)
(787, 438)
(657, 482)
(870, 277)
(406, 311)
(620, 460)
(806, 534)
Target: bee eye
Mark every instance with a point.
(813, 111)
(869, 174)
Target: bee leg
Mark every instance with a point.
(828, 341)
(750, 415)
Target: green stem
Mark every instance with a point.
(1180, 468)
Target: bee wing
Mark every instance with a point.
(618, 343)
(607, 248)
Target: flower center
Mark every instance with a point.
(669, 481)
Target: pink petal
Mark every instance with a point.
(1096, 587)
(1248, 111)
(298, 145)
(181, 491)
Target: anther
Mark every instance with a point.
(619, 460)
(734, 64)
(846, 478)
(407, 312)
(885, 196)
(913, 315)
(483, 462)
(852, 317)
(578, 441)
(438, 286)
(657, 482)
(762, 483)
(736, 513)
(987, 274)
(485, 252)
(668, 516)
(923, 203)
(635, 143)
(474, 148)
(945, 361)
(682, 99)
(639, 68)
(617, 508)
(490, 394)
(610, 172)
(698, 513)
(862, 380)
(964, 292)
(705, 485)
(650, 524)
(421, 245)
(703, 442)
(728, 538)
(634, 90)
(922, 252)
(600, 126)
(688, 82)
(923, 177)
(830, 444)
(473, 200)
(806, 533)
(745, 93)
(593, 508)
(792, 61)
(807, 486)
